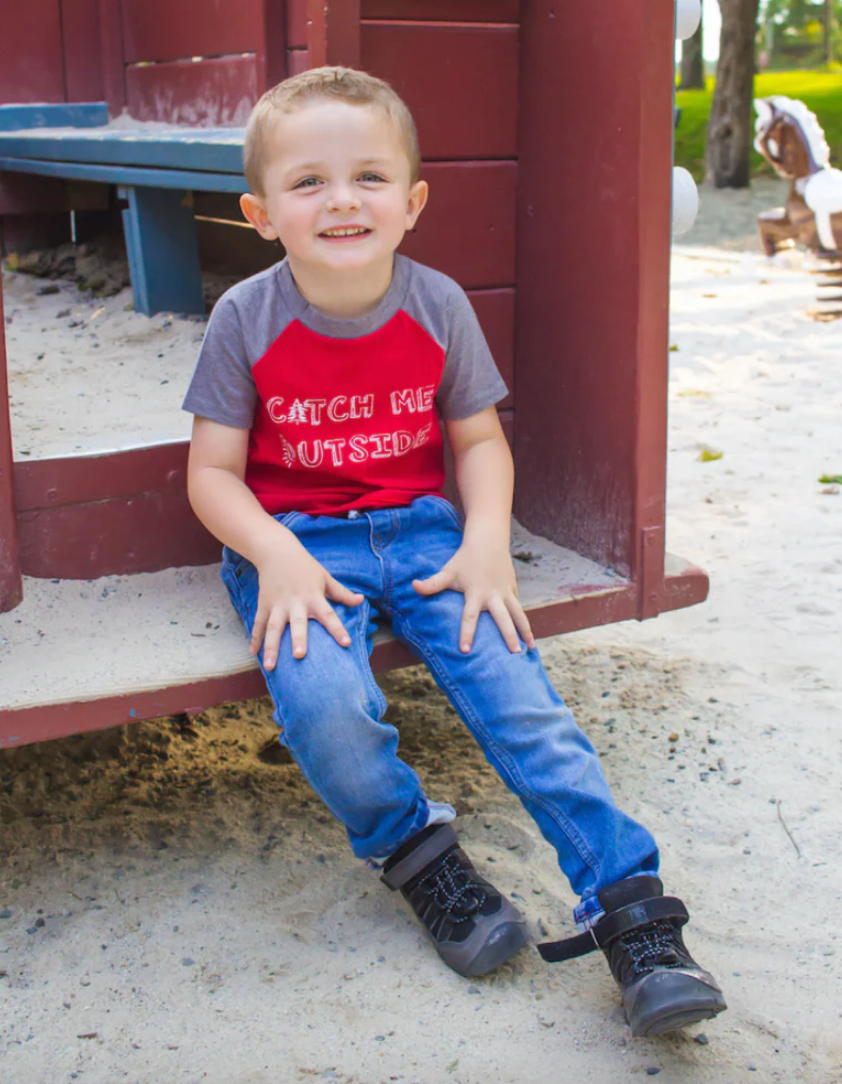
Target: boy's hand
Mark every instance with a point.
(486, 577)
(294, 587)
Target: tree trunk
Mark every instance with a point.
(730, 124)
(692, 63)
(828, 32)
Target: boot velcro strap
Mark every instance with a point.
(612, 925)
(418, 860)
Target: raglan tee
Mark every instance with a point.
(343, 414)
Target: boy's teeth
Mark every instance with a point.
(345, 233)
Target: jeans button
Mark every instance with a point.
(353, 514)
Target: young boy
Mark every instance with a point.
(317, 459)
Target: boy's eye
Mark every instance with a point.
(371, 177)
(307, 182)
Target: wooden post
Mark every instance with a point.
(163, 252)
(272, 48)
(593, 279)
(333, 32)
(11, 585)
(113, 56)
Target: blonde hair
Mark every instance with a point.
(341, 84)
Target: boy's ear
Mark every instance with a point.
(417, 199)
(255, 211)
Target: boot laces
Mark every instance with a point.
(453, 889)
(656, 945)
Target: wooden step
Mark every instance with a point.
(120, 641)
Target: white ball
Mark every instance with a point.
(685, 201)
(688, 15)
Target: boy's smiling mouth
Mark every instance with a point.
(341, 233)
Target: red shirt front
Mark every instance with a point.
(343, 414)
(348, 433)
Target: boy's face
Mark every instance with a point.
(337, 187)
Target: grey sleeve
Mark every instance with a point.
(471, 381)
(222, 387)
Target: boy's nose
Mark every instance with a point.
(342, 199)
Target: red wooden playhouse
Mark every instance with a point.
(546, 130)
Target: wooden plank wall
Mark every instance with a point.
(460, 80)
(191, 62)
(31, 65)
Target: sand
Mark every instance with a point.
(177, 906)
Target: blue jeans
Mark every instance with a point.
(329, 707)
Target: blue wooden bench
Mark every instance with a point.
(156, 169)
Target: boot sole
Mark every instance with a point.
(670, 1001)
(503, 943)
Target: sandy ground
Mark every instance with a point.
(176, 905)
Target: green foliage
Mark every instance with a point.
(792, 32)
(821, 92)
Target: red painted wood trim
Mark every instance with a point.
(460, 83)
(272, 66)
(649, 571)
(333, 32)
(298, 60)
(654, 182)
(207, 93)
(11, 587)
(52, 483)
(474, 11)
(114, 537)
(81, 50)
(686, 588)
(296, 24)
(113, 57)
(84, 517)
(161, 30)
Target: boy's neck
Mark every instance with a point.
(344, 295)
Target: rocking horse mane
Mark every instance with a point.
(806, 123)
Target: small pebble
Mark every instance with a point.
(380, 1038)
(187, 962)
(474, 990)
(653, 1070)
(5, 913)
(752, 1068)
(701, 1039)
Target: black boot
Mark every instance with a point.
(473, 927)
(640, 933)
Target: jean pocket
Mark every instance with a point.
(234, 564)
(447, 507)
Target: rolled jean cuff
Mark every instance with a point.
(587, 913)
(437, 813)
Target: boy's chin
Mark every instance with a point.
(353, 259)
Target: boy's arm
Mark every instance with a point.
(293, 586)
(482, 567)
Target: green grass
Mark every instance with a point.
(821, 92)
